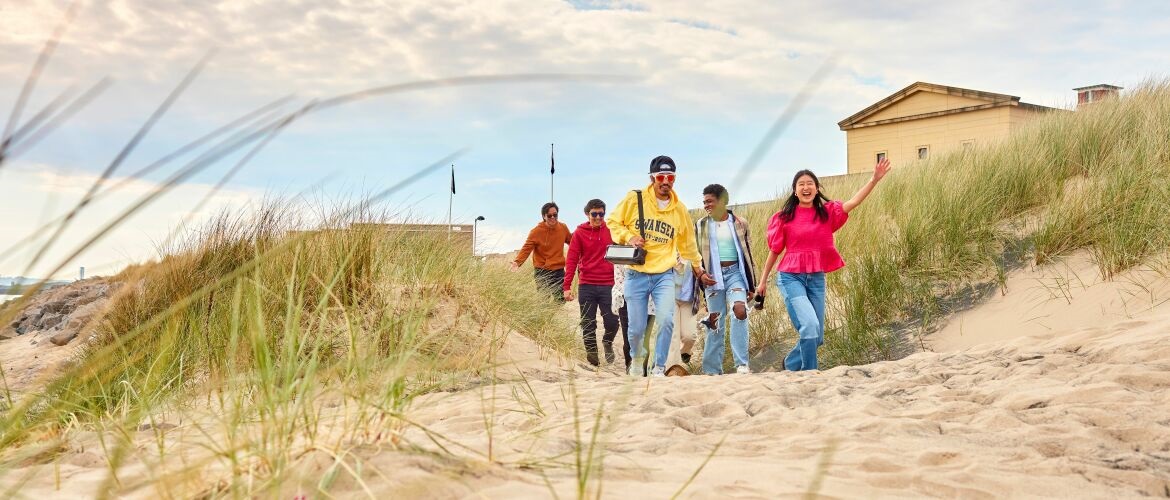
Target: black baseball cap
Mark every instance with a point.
(662, 164)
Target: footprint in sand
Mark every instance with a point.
(879, 464)
(692, 398)
(941, 458)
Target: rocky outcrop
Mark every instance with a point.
(63, 312)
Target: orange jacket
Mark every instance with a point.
(547, 246)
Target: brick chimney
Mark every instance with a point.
(1094, 93)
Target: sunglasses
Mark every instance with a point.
(597, 214)
(551, 216)
(666, 177)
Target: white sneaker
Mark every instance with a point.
(635, 369)
(658, 372)
(743, 369)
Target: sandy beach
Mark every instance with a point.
(1075, 414)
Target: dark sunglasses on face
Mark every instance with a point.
(664, 177)
(551, 216)
(597, 214)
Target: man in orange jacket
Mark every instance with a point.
(546, 243)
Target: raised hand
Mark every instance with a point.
(881, 169)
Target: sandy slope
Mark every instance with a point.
(1081, 414)
(1064, 295)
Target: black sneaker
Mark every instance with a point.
(686, 357)
(608, 352)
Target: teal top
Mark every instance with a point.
(723, 235)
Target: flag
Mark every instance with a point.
(452, 178)
(552, 162)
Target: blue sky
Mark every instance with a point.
(701, 82)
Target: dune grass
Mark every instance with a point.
(1095, 179)
(250, 332)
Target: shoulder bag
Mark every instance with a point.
(630, 254)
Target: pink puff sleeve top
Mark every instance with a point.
(807, 243)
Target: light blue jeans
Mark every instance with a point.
(640, 289)
(721, 302)
(804, 296)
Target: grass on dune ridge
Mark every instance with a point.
(266, 327)
(1095, 179)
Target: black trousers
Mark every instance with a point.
(550, 281)
(624, 317)
(594, 299)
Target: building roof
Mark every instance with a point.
(1099, 86)
(993, 99)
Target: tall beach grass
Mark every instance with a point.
(251, 332)
(1096, 179)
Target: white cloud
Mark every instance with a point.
(496, 239)
(719, 56)
(36, 194)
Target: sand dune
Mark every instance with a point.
(1064, 295)
(1079, 414)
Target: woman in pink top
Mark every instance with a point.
(803, 232)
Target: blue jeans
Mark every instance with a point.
(640, 289)
(804, 296)
(721, 302)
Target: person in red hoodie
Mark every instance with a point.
(587, 255)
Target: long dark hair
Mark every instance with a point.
(789, 210)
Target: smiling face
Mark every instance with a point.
(596, 216)
(663, 183)
(805, 189)
(716, 206)
(550, 216)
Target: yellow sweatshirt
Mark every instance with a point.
(667, 230)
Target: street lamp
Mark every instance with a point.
(475, 233)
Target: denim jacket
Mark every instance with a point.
(743, 241)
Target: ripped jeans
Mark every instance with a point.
(804, 296)
(722, 302)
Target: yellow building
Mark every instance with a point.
(925, 119)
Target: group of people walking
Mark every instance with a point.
(688, 263)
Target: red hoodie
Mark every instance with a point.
(587, 250)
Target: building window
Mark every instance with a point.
(880, 156)
(923, 152)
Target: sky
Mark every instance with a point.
(701, 82)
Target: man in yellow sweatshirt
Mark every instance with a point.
(668, 229)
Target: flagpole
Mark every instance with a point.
(450, 201)
(552, 170)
